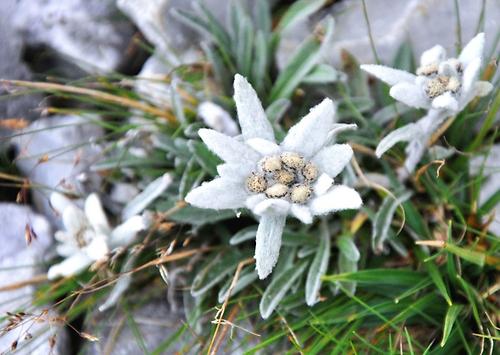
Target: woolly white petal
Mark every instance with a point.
(302, 213)
(388, 75)
(445, 101)
(339, 128)
(434, 55)
(74, 219)
(254, 200)
(339, 198)
(95, 214)
(218, 194)
(402, 134)
(70, 266)
(227, 148)
(268, 243)
(333, 159)
(471, 75)
(272, 206)
(410, 95)
(323, 184)
(263, 146)
(310, 134)
(251, 115)
(125, 233)
(63, 237)
(473, 50)
(150, 193)
(59, 202)
(414, 153)
(98, 248)
(67, 249)
(483, 88)
(235, 172)
(217, 118)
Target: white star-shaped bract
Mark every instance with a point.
(88, 237)
(443, 86)
(310, 142)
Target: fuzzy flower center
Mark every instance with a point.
(288, 176)
(438, 84)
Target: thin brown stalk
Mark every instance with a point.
(103, 96)
(220, 314)
(34, 280)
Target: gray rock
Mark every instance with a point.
(155, 322)
(70, 150)
(12, 67)
(21, 262)
(424, 22)
(90, 33)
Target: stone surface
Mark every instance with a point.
(90, 33)
(58, 157)
(12, 67)
(424, 22)
(20, 262)
(155, 322)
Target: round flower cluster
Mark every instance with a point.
(287, 176)
(440, 78)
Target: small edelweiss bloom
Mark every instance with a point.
(274, 180)
(440, 83)
(87, 237)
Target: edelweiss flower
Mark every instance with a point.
(442, 85)
(88, 237)
(294, 177)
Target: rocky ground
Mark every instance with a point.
(75, 38)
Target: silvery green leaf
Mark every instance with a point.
(277, 110)
(268, 242)
(121, 285)
(177, 103)
(301, 63)
(397, 245)
(260, 61)
(348, 248)
(306, 250)
(318, 266)
(205, 158)
(150, 193)
(439, 152)
(278, 288)
(191, 130)
(193, 215)
(247, 276)
(296, 239)
(287, 256)
(389, 112)
(298, 12)
(187, 180)
(243, 235)
(244, 46)
(402, 134)
(324, 74)
(346, 265)
(214, 272)
(383, 219)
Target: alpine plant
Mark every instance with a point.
(441, 85)
(274, 180)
